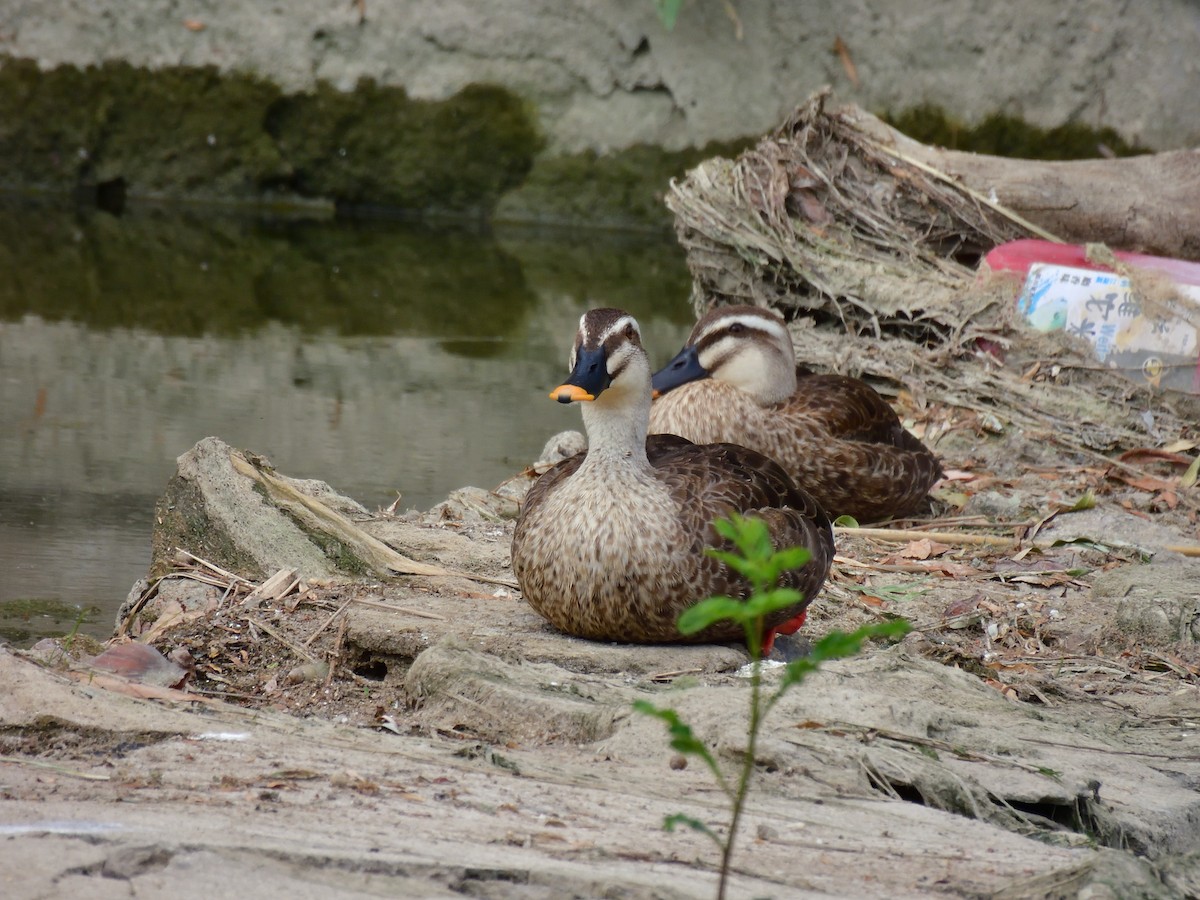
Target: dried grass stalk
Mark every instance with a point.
(871, 256)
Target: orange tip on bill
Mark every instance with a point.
(565, 393)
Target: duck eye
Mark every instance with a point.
(737, 328)
(629, 332)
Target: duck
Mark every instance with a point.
(610, 543)
(736, 380)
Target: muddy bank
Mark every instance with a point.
(1035, 737)
(564, 113)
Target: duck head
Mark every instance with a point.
(611, 374)
(743, 346)
(606, 359)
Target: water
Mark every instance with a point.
(379, 357)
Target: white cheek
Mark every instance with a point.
(742, 372)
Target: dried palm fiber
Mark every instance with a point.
(870, 255)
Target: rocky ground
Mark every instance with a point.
(428, 735)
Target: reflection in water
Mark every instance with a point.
(375, 356)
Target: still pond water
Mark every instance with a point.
(377, 356)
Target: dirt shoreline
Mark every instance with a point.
(1037, 736)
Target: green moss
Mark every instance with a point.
(377, 147)
(223, 275)
(343, 557)
(346, 560)
(26, 620)
(619, 190)
(179, 521)
(646, 274)
(1000, 134)
(183, 132)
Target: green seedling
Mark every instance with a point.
(761, 565)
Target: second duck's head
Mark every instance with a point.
(606, 360)
(744, 346)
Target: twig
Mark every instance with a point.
(219, 695)
(952, 537)
(865, 731)
(224, 573)
(375, 604)
(312, 637)
(1175, 667)
(40, 764)
(274, 632)
(1184, 549)
(1141, 473)
(959, 186)
(317, 515)
(1109, 750)
(336, 653)
(942, 537)
(910, 568)
(663, 676)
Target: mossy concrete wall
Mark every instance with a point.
(580, 105)
(192, 132)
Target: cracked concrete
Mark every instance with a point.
(606, 75)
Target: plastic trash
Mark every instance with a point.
(1146, 327)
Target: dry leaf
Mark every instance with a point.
(809, 206)
(921, 549)
(843, 53)
(1188, 478)
(139, 662)
(1152, 454)
(1146, 483)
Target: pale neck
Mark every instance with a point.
(616, 424)
(768, 377)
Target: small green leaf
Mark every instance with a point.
(683, 740)
(1087, 501)
(791, 558)
(846, 522)
(668, 12)
(761, 605)
(691, 822)
(1188, 479)
(751, 536)
(709, 612)
(797, 670)
(739, 564)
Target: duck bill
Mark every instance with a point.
(683, 368)
(587, 379)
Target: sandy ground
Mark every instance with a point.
(1035, 736)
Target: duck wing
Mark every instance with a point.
(549, 480)
(850, 409)
(852, 451)
(711, 481)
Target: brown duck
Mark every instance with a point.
(736, 380)
(610, 542)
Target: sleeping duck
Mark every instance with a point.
(610, 542)
(736, 380)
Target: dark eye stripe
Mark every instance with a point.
(748, 333)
